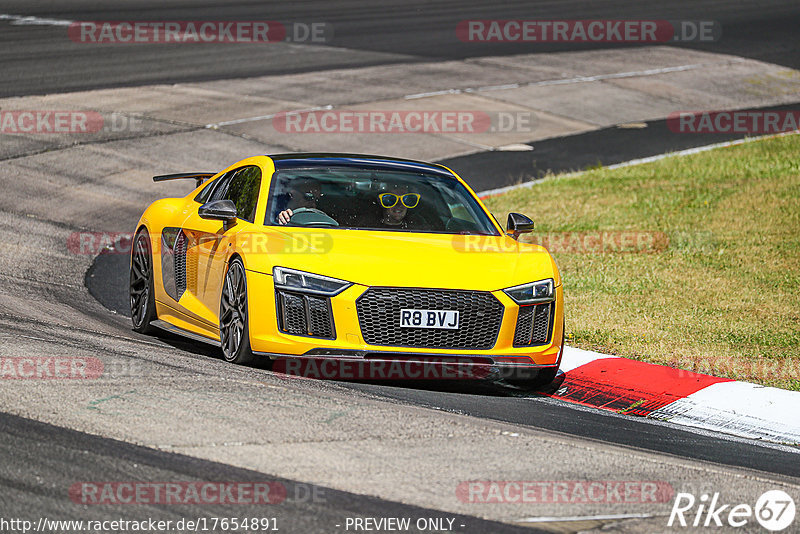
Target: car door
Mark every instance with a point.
(208, 242)
(180, 252)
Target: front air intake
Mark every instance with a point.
(534, 325)
(302, 314)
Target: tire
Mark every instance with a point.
(140, 287)
(543, 378)
(234, 323)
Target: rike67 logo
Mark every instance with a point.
(774, 510)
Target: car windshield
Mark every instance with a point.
(367, 199)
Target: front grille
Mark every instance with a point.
(480, 315)
(533, 325)
(305, 315)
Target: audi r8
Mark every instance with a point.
(347, 257)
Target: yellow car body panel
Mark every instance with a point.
(366, 258)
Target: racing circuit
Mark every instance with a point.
(169, 409)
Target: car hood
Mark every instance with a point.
(375, 258)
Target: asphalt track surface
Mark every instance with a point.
(40, 460)
(40, 59)
(31, 447)
(107, 281)
(603, 147)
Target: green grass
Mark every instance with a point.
(723, 297)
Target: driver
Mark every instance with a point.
(303, 193)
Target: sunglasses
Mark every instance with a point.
(389, 200)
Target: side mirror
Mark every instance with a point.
(518, 224)
(219, 210)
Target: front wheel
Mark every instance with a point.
(234, 331)
(543, 378)
(142, 295)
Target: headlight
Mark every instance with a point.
(307, 282)
(533, 293)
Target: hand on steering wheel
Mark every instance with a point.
(308, 210)
(313, 223)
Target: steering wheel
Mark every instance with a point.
(327, 220)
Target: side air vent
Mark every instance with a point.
(180, 263)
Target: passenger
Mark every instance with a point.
(397, 205)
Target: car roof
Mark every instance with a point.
(360, 161)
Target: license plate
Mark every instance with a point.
(445, 319)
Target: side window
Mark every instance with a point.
(202, 196)
(243, 191)
(205, 194)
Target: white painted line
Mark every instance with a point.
(699, 149)
(506, 189)
(216, 125)
(495, 88)
(617, 75)
(610, 517)
(650, 159)
(489, 88)
(467, 142)
(433, 93)
(739, 408)
(568, 81)
(22, 20)
(515, 147)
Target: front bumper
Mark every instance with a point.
(349, 345)
(358, 365)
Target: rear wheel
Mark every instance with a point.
(142, 295)
(234, 326)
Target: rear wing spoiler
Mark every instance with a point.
(198, 177)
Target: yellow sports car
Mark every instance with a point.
(348, 258)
